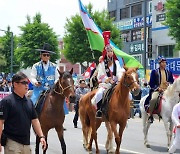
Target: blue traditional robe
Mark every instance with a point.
(46, 78)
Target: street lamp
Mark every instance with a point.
(11, 67)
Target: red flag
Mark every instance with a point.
(87, 73)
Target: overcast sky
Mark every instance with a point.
(54, 12)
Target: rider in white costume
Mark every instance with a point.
(176, 120)
(109, 70)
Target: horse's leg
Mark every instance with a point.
(37, 145)
(109, 144)
(93, 136)
(116, 135)
(146, 126)
(59, 130)
(168, 128)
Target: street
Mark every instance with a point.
(132, 141)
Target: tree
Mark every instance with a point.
(76, 44)
(5, 50)
(173, 19)
(34, 35)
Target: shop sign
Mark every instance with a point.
(173, 64)
(160, 17)
(139, 21)
(159, 7)
(136, 48)
(125, 24)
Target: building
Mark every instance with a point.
(64, 65)
(129, 18)
(162, 43)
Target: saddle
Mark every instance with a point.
(40, 102)
(106, 98)
(158, 105)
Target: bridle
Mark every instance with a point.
(63, 89)
(126, 84)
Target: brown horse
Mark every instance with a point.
(118, 112)
(52, 114)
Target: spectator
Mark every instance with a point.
(82, 90)
(145, 89)
(17, 115)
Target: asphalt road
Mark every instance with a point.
(132, 142)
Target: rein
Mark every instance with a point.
(126, 84)
(63, 89)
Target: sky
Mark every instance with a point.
(53, 12)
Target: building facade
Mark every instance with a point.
(129, 19)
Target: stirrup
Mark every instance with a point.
(99, 114)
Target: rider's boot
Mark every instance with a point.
(150, 119)
(99, 110)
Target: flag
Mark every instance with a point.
(96, 40)
(87, 73)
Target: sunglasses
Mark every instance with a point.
(45, 55)
(23, 82)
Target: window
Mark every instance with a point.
(166, 51)
(126, 36)
(112, 14)
(136, 35)
(124, 13)
(136, 10)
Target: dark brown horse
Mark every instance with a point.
(118, 112)
(52, 115)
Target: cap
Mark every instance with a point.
(160, 59)
(46, 49)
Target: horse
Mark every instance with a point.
(118, 112)
(52, 114)
(90, 124)
(169, 99)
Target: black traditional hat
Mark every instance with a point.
(46, 49)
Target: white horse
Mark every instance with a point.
(170, 98)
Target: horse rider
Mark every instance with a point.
(80, 91)
(176, 120)
(109, 72)
(159, 81)
(44, 73)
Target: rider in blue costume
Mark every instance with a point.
(159, 80)
(44, 73)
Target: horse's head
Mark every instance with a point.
(65, 85)
(131, 80)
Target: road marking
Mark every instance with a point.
(125, 150)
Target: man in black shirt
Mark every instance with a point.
(17, 113)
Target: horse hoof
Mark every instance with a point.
(147, 146)
(90, 152)
(110, 151)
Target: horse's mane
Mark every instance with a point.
(170, 90)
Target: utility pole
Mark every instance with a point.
(145, 36)
(11, 67)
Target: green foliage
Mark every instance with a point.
(76, 44)
(34, 35)
(173, 19)
(5, 50)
